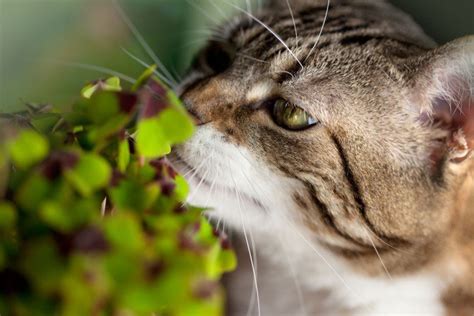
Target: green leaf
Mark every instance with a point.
(182, 188)
(33, 192)
(156, 135)
(111, 84)
(123, 155)
(42, 264)
(4, 171)
(178, 279)
(148, 253)
(90, 174)
(118, 263)
(124, 232)
(151, 139)
(141, 299)
(102, 107)
(129, 195)
(66, 217)
(56, 215)
(89, 90)
(174, 100)
(45, 123)
(176, 125)
(8, 215)
(212, 306)
(83, 287)
(220, 261)
(166, 245)
(27, 148)
(101, 132)
(3, 157)
(205, 234)
(144, 173)
(147, 74)
(227, 260)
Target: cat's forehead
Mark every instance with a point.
(285, 39)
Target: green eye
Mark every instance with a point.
(291, 117)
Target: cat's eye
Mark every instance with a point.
(291, 117)
(216, 57)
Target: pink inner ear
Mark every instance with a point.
(456, 113)
(468, 127)
(463, 120)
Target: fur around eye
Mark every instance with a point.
(291, 117)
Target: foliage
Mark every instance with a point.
(93, 221)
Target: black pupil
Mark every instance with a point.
(218, 57)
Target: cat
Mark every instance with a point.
(334, 144)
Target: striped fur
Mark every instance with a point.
(373, 201)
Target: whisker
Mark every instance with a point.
(219, 223)
(208, 33)
(95, 68)
(203, 177)
(320, 32)
(249, 6)
(309, 244)
(254, 271)
(224, 16)
(299, 292)
(141, 40)
(193, 172)
(176, 75)
(229, 233)
(213, 183)
(252, 58)
(269, 29)
(323, 258)
(286, 72)
(253, 167)
(203, 12)
(253, 295)
(195, 169)
(254, 251)
(254, 254)
(293, 19)
(292, 270)
(199, 41)
(378, 254)
(144, 64)
(389, 245)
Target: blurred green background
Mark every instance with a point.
(45, 45)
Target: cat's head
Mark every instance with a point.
(359, 134)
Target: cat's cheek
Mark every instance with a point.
(230, 181)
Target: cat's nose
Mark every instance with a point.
(198, 120)
(205, 102)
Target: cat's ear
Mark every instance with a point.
(443, 91)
